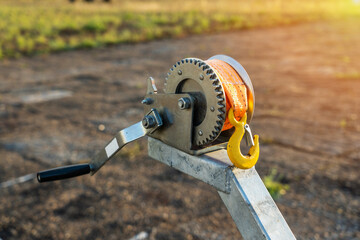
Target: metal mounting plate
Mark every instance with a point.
(177, 129)
(177, 123)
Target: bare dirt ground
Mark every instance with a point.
(307, 115)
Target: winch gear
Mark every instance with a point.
(197, 78)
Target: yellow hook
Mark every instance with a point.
(233, 147)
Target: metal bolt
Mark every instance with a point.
(201, 77)
(148, 122)
(200, 133)
(147, 101)
(179, 72)
(184, 103)
(212, 109)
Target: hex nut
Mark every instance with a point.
(147, 101)
(148, 122)
(184, 103)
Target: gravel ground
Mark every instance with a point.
(61, 108)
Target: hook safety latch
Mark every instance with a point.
(249, 137)
(233, 147)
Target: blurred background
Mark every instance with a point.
(73, 73)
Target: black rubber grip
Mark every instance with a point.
(63, 172)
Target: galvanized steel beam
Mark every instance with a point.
(242, 191)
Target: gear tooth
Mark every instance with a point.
(220, 104)
(220, 125)
(182, 61)
(220, 117)
(209, 71)
(213, 76)
(216, 84)
(191, 61)
(205, 67)
(186, 60)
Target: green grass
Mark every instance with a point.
(274, 185)
(30, 27)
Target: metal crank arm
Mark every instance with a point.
(150, 123)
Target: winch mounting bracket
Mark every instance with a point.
(244, 194)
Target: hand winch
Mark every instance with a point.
(205, 106)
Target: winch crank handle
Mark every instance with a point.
(149, 124)
(63, 172)
(233, 147)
